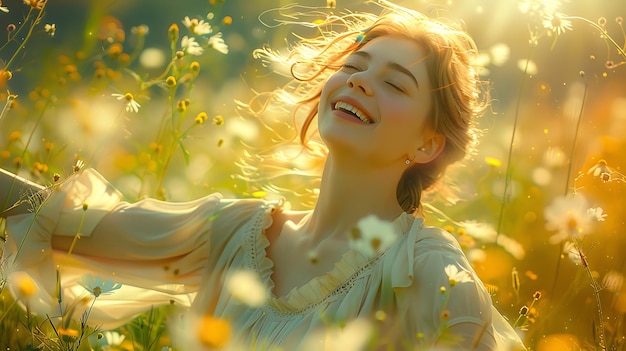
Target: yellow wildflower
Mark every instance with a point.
(26, 286)
(201, 118)
(173, 33)
(6, 75)
(218, 120)
(195, 67)
(493, 162)
(50, 29)
(115, 50)
(181, 106)
(124, 58)
(214, 332)
(41, 167)
(68, 333)
(35, 4)
(140, 30)
(156, 147)
(14, 136)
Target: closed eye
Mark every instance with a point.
(350, 67)
(396, 87)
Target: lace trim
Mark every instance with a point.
(252, 240)
(256, 243)
(274, 305)
(252, 236)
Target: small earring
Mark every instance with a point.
(422, 149)
(407, 161)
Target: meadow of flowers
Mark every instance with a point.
(147, 93)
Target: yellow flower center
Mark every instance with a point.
(68, 332)
(572, 224)
(376, 242)
(214, 332)
(27, 287)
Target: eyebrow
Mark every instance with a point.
(393, 65)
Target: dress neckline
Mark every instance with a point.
(319, 288)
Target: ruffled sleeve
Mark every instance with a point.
(157, 250)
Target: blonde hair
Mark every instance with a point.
(459, 95)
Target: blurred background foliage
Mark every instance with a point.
(64, 112)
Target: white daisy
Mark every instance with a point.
(218, 44)
(456, 276)
(131, 104)
(597, 213)
(556, 23)
(479, 230)
(372, 236)
(569, 216)
(191, 46)
(246, 286)
(197, 27)
(113, 338)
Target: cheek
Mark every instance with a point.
(412, 112)
(407, 121)
(403, 114)
(334, 82)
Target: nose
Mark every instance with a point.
(359, 81)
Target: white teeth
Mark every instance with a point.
(347, 107)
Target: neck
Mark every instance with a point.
(349, 192)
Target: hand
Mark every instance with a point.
(17, 194)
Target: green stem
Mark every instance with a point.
(168, 160)
(18, 30)
(76, 237)
(18, 167)
(161, 77)
(606, 35)
(594, 283)
(6, 312)
(32, 132)
(574, 140)
(7, 105)
(30, 32)
(596, 292)
(83, 326)
(509, 168)
(141, 39)
(23, 241)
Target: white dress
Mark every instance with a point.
(183, 253)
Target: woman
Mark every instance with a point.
(395, 97)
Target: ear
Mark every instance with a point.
(431, 148)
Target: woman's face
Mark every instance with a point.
(376, 108)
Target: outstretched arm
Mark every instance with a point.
(13, 189)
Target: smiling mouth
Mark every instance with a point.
(346, 107)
